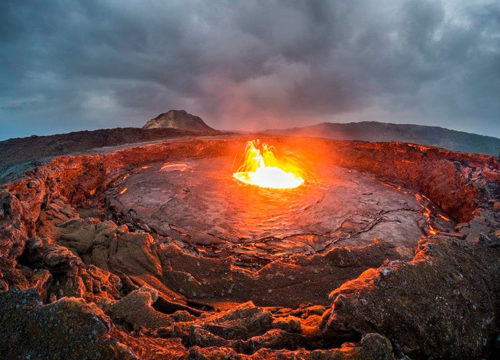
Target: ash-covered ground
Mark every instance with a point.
(388, 250)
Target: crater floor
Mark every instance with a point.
(200, 206)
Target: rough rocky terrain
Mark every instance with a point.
(80, 278)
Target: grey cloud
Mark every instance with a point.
(69, 65)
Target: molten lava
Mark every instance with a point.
(261, 168)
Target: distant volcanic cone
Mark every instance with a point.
(179, 119)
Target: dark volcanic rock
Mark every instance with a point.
(418, 134)
(166, 300)
(179, 119)
(66, 329)
(23, 154)
(12, 227)
(58, 259)
(439, 305)
(136, 309)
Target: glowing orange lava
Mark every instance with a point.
(262, 168)
(173, 167)
(445, 218)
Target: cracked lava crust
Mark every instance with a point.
(200, 207)
(162, 253)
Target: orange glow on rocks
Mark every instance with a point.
(262, 168)
(173, 167)
(445, 218)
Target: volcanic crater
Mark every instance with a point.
(380, 249)
(202, 208)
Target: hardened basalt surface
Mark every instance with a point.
(81, 279)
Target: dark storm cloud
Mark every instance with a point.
(69, 65)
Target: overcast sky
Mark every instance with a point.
(71, 65)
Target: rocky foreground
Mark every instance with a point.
(80, 281)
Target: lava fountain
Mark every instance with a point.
(262, 168)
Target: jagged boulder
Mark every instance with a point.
(66, 329)
(111, 247)
(136, 310)
(441, 305)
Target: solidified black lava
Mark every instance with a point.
(388, 250)
(199, 205)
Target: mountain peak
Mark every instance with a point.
(178, 119)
